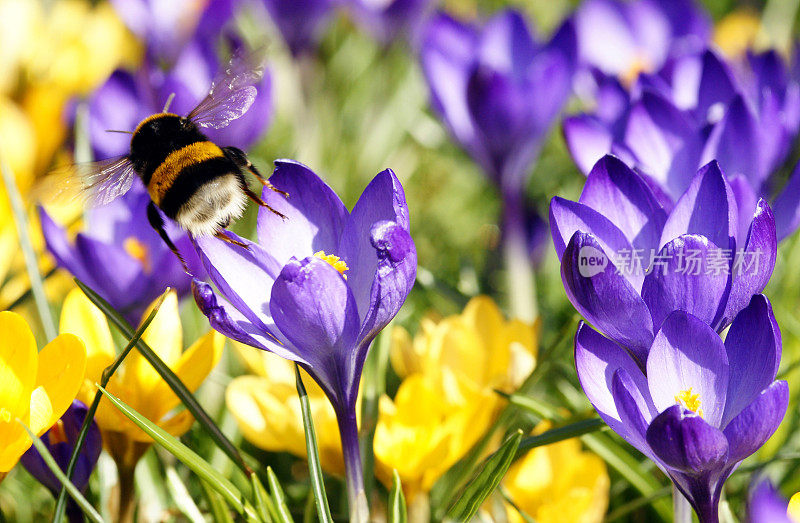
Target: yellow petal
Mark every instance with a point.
(405, 360)
(79, 316)
(165, 336)
(15, 443)
(18, 362)
(192, 368)
(793, 511)
(62, 364)
(42, 416)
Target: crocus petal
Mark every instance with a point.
(55, 238)
(315, 215)
(619, 194)
(115, 272)
(393, 279)
(684, 441)
(635, 410)
(62, 363)
(716, 86)
(588, 140)
(688, 354)
(18, 363)
(707, 208)
(766, 504)
(383, 199)
(733, 141)
(754, 425)
(315, 309)
(506, 42)
(787, 206)
(755, 262)
(605, 38)
(79, 316)
(628, 321)
(597, 360)
(689, 274)
(746, 201)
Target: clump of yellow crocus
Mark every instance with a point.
(35, 387)
(558, 483)
(136, 382)
(267, 409)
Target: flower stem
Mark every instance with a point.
(682, 510)
(348, 430)
(127, 494)
(520, 278)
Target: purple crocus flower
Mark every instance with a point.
(317, 287)
(625, 38)
(696, 406)
(301, 22)
(60, 442)
(388, 20)
(627, 261)
(497, 89)
(120, 256)
(767, 504)
(699, 108)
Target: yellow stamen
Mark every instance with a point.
(690, 401)
(334, 261)
(57, 433)
(639, 65)
(138, 251)
(793, 511)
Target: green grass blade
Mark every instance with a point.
(283, 513)
(61, 503)
(397, 501)
(188, 457)
(314, 466)
(28, 253)
(488, 477)
(217, 507)
(177, 386)
(264, 504)
(572, 430)
(180, 495)
(373, 386)
(73, 491)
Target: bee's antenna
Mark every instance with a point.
(115, 131)
(169, 101)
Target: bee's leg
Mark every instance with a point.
(256, 198)
(157, 223)
(238, 157)
(224, 237)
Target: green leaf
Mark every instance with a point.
(188, 457)
(74, 493)
(489, 475)
(569, 431)
(314, 466)
(283, 513)
(219, 510)
(264, 503)
(397, 501)
(373, 387)
(61, 504)
(177, 386)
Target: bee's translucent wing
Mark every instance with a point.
(232, 92)
(96, 183)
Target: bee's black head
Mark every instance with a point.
(157, 136)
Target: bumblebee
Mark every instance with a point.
(190, 179)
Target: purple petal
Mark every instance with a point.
(588, 140)
(689, 274)
(506, 43)
(753, 266)
(733, 143)
(606, 299)
(605, 37)
(315, 216)
(787, 206)
(118, 105)
(382, 200)
(687, 354)
(619, 194)
(67, 257)
(300, 22)
(717, 85)
(746, 201)
(754, 425)
(685, 442)
(635, 410)
(753, 345)
(767, 504)
(707, 208)
(597, 360)
(118, 275)
(315, 309)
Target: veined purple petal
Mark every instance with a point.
(687, 356)
(746, 202)
(635, 411)
(619, 194)
(55, 238)
(753, 345)
(117, 274)
(787, 206)
(707, 208)
(756, 261)
(754, 425)
(690, 274)
(382, 200)
(606, 299)
(685, 442)
(315, 216)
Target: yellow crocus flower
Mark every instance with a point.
(737, 32)
(136, 382)
(267, 408)
(558, 483)
(35, 387)
(793, 510)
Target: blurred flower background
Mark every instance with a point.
(509, 136)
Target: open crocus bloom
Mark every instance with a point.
(698, 406)
(627, 261)
(317, 287)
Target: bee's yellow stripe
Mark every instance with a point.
(166, 173)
